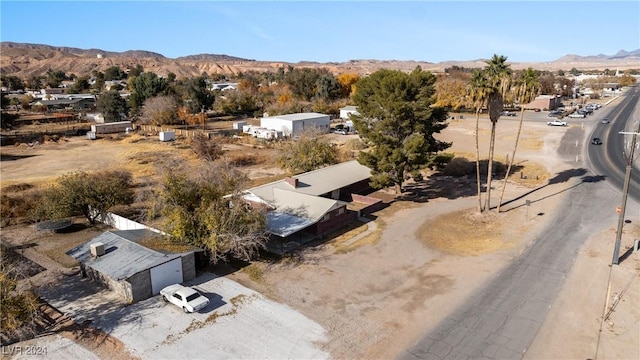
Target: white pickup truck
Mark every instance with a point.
(189, 299)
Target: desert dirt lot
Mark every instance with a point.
(377, 288)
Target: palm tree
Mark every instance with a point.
(497, 75)
(477, 92)
(527, 88)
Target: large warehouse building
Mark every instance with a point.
(295, 124)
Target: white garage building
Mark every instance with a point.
(295, 124)
(117, 260)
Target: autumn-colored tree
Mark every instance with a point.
(248, 86)
(627, 80)
(451, 90)
(347, 81)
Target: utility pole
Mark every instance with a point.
(625, 192)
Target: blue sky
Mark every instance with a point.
(331, 31)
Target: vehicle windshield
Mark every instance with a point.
(193, 297)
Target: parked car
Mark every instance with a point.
(557, 123)
(537, 110)
(576, 115)
(596, 141)
(508, 113)
(186, 298)
(605, 121)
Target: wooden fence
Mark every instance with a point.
(189, 134)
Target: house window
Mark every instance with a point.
(326, 217)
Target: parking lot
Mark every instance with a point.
(237, 323)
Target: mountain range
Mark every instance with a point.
(24, 60)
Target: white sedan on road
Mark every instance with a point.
(557, 123)
(186, 298)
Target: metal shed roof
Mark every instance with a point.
(123, 257)
(298, 117)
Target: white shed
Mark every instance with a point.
(295, 124)
(167, 135)
(238, 125)
(345, 111)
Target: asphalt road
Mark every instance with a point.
(502, 318)
(608, 159)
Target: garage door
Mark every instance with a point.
(166, 274)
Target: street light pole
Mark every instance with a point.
(625, 193)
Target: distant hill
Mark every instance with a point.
(620, 55)
(212, 57)
(25, 60)
(39, 51)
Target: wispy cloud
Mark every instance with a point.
(260, 33)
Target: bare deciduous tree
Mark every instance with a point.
(160, 110)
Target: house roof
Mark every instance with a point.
(318, 182)
(295, 208)
(123, 257)
(349, 108)
(60, 102)
(294, 211)
(298, 117)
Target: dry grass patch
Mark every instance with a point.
(370, 239)
(531, 175)
(530, 144)
(255, 272)
(57, 245)
(163, 243)
(465, 233)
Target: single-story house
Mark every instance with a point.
(67, 104)
(123, 261)
(295, 124)
(223, 86)
(311, 204)
(545, 102)
(349, 109)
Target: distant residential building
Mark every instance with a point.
(67, 104)
(345, 111)
(545, 102)
(223, 86)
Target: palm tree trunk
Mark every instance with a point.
(478, 160)
(487, 199)
(513, 156)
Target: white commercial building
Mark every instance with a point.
(295, 124)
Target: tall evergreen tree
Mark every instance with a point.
(398, 121)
